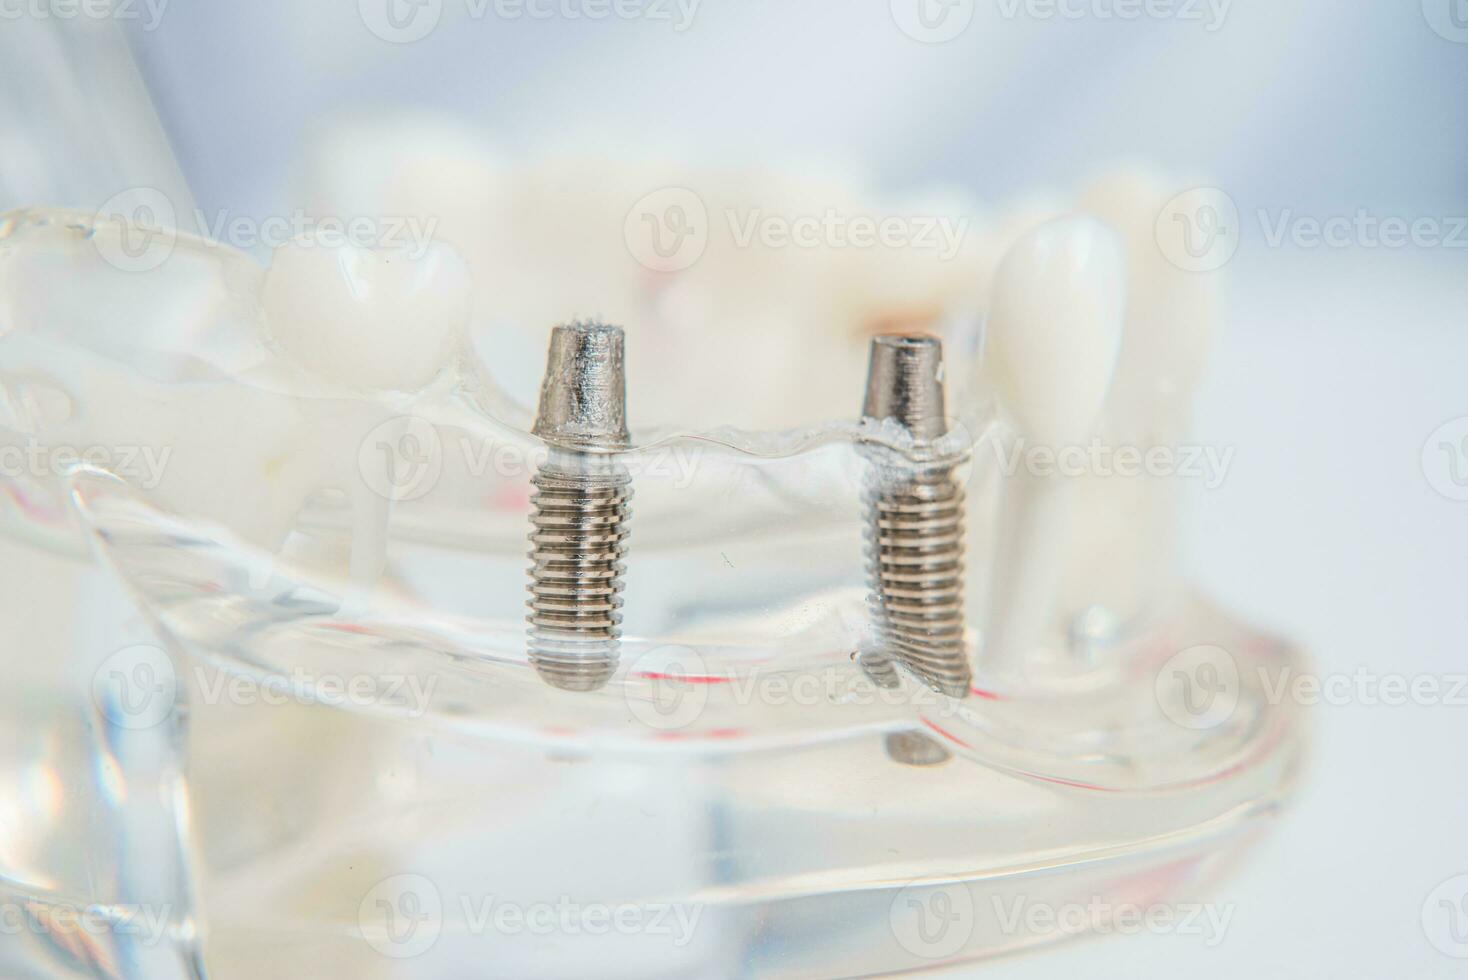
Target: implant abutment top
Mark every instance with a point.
(583, 395)
(905, 383)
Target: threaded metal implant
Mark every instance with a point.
(914, 536)
(580, 510)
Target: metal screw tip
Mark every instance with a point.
(583, 396)
(905, 382)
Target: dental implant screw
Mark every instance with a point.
(914, 512)
(580, 509)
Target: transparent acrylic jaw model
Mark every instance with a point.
(310, 740)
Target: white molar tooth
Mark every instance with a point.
(1053, 334)
(383, 318)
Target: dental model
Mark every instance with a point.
(792, 819)
(1054, 330)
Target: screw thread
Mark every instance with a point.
(914, 534)
(914, 547)
(578, 540)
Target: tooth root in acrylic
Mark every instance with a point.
(1053, 333)
(1125, 530)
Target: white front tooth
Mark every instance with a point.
(1172, 315)
(367, 318)
(1122, 551)
(1054, 327)
(1053, 334)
